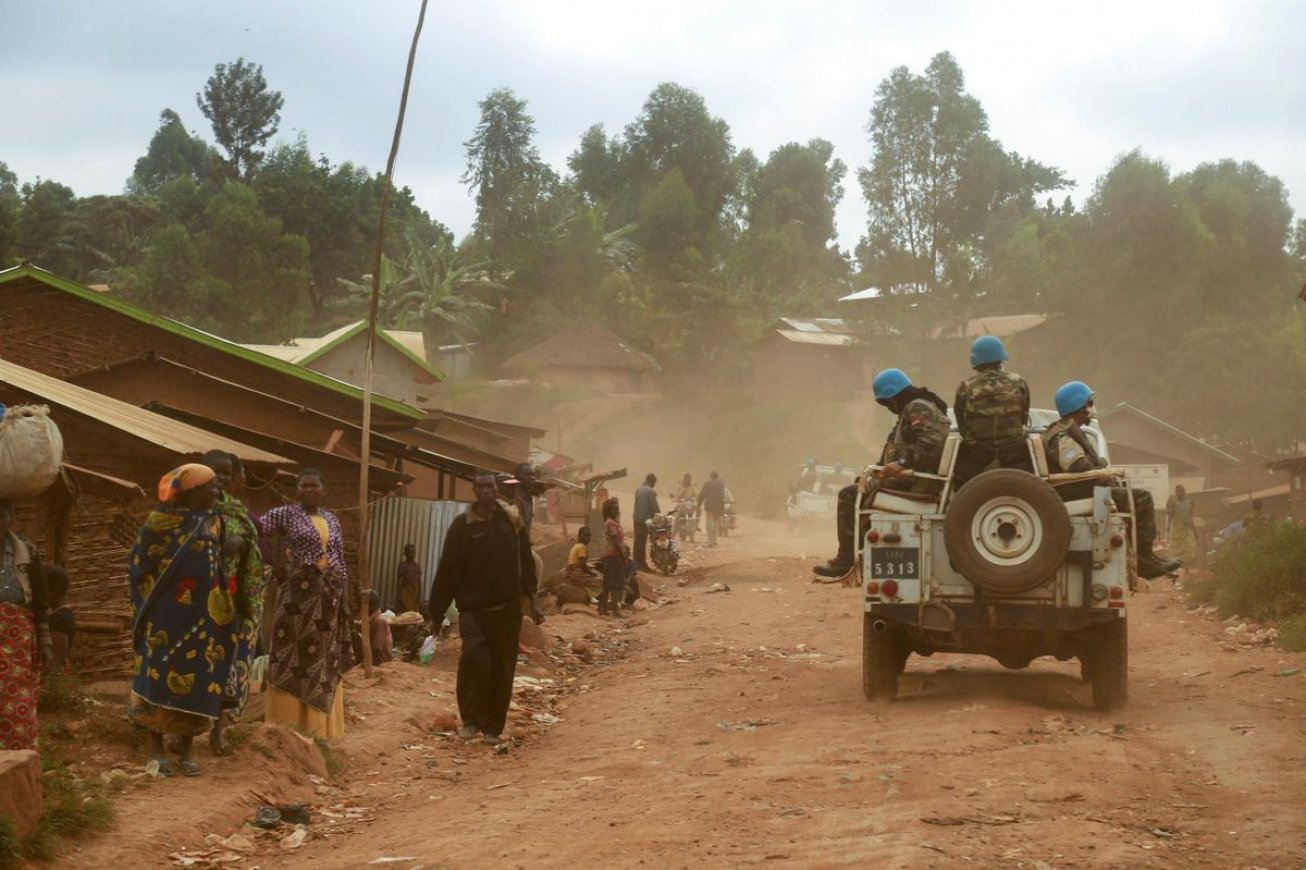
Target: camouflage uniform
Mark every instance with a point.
(992, 407)
(916, 441)
(1069, 450)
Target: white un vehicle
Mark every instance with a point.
(1003, 567)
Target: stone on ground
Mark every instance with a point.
(20, 789)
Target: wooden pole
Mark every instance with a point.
(364, 555)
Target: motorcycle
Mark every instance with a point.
(686, 519)
(727, 519)
(663, 550)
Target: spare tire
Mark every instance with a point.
(1007, 531)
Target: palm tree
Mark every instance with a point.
(432, 289)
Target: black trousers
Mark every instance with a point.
(975, 458)
(641, 544)
(846, 512)
(1144, 507)
(487, 665)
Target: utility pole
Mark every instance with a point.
(364, 555)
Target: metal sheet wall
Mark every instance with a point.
(397, 521)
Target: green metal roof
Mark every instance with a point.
(176, 327)
(357, 329)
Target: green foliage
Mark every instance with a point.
(505, 172)
(243, 112)
(60, 693)
(11, 206)
(935, 179)
(72, 809)
(45, 226)
(1262, 577)
(433, 288)
(173, 153)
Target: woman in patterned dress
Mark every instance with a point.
(183, 616)
(24, 635)
(310, 648)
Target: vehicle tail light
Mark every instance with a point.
(873, 536)
(1099, 592)
(1117, 541)
(890, 588)
(872, 588)
(1117, 593)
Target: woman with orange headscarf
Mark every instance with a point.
(183, 616)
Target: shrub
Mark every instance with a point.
(1262, 576)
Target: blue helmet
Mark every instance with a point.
(890, 383)
(987, 349)
(1072, 396)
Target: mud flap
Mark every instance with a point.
(939, 623)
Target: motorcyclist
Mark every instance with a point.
(915, 442)
(1070, 450)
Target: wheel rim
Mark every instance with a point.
(1006, 531)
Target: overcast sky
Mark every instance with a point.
(1071, 85)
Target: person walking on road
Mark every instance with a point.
(487, 568)
(1180, 526)
(646, 505)
(712, 502)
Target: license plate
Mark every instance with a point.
(896, 563)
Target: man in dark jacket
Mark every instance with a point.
(486, 568)
(712, 503)
(646, 505)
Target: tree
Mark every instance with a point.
(259, 273)
(1248, 223)
(173, 153)
(45, 226)
(675, 131)
(790, 204)
(505, 172)
(935, 179)
(433, 288)
(243, 112)
(11, 206)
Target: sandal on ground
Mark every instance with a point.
(165, 766)
(219, 746)
(190, 767)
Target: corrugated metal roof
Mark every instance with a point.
(176, 327)
(180, 438)
(827, 339)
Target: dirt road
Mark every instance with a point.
(728, 728)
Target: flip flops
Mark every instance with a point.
(190, 767)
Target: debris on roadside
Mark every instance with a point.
(745, 724)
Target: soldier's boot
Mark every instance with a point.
(1150, 566)
(845, 517)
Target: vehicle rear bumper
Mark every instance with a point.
(964, 616)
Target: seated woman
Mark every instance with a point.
(183, 617)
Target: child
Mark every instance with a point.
(63, 623)
(379, 631)
(410, 581)
(578, 564)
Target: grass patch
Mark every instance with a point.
(11, 850)
(60, 693)
(333, 765)
(71, 810)
(1263, 578)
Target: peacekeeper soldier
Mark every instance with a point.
(992, 408)
(915, 442)
(1070, 450)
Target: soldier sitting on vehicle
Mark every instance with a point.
(992, 408)
(915, 442)
(1069, 450)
